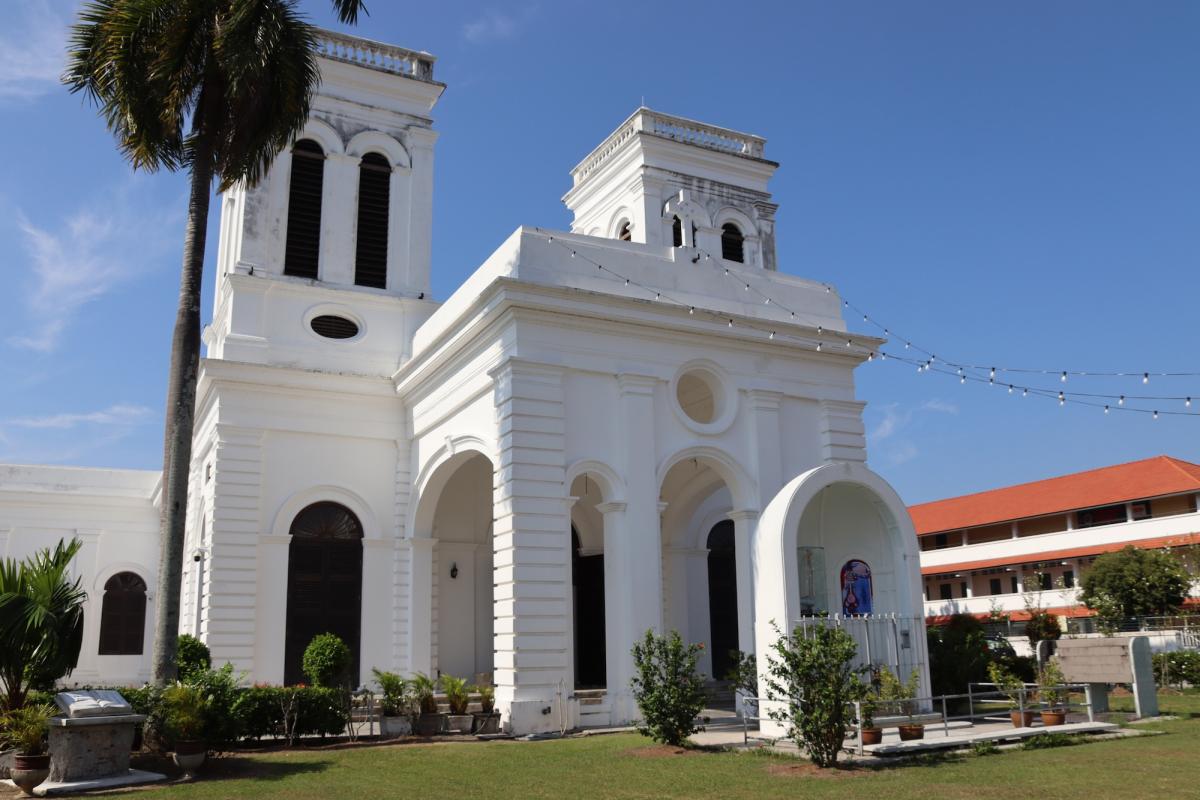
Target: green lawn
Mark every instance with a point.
(626, 766)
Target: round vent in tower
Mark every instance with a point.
(332, 326)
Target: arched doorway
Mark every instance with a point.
(722, 597)
(324, 583)
(587, 581)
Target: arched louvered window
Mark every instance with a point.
(304, 210)
(625, 234)
(731, 243)
(676, 231)
(370, 260)
(123, 615)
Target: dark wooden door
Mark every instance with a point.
(722, 597)
(324, 586)
(588, 577)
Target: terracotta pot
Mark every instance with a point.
(487, 722)
(430, 724)
(1021, 719)
(1052, 718)
(911, 732)
(872, 735)
(189, 755)
(29, 771)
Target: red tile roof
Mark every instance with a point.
(1178, 540)
(1137, 480)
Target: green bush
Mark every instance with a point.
(668, 690)
(183, 712)
(221, 687)
(321, 711)
(958, 654)
(191, 657)
(1042, 626)
(398, 699)
(327, 661)
(811, 673)
(316, 711)
(458, 694)
(1178, 668)
(259, 712)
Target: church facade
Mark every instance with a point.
(602, 431)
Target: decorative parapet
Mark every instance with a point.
(678, 129)
(375, 55)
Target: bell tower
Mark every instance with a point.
(673, 182)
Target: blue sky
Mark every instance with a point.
(1011, 184)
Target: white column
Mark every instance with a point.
(616, 597)
(339, 218)
(375, 635)
(744, 523)
(420, 605)
(420, 143)
(399, 222)
(83, 566)
(271, 611)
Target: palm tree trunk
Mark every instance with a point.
(180, 414)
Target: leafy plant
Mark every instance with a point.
(668, 690)
(41, 621)
(425, 687)
(397, 695)
(1042, 626)
(984, 749)
(811, 673)
(487, 698)
(24, 729)
(1051, 687)
(191, 657)
(327, 661)
(457, 693)
(1177, 668)
(900, 694)
(1047, 740)
(183, 712)
(1008, 683)
(743, 674)
(220, 688)
(1135, 582)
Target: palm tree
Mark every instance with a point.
(41, 621)
(216, 87)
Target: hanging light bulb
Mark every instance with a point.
(1106, 409)
(871, 356)
(1064, 376)
(727, 270)
(772, 335)
(882, 356)
(820, 330)
(657, 296)
(1187, 403)
(920, 367)
(962, 378)
(747, 287)
(731, 323)
(1156, 415)
(848, 343)
(572, 254)
(1024, 393)
(767, 302)
(1062, 400)
(1010, 388)
(906, 344)
(793, 315)
(818, 347)
(1145, 377)
(627, 281)
(691, 309)
(993, 372)
(1121, 400)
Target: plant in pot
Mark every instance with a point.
(183, 710)
(24, 730)
(429, 721)
(396, 704)
(458, 696)
(1053, 693)
(871, 734)
(902, 696)
(1013, 688)
(488, 719)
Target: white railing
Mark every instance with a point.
(375, 55)
(678, 129)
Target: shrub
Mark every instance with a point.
(457, 694)
(1042, 626)
(1050, 685)
(1008, 683)
(191, 657)
(958, 654)
(743, 674)
(424, 687)
(24, 729)
(220, 688)
(1046, 740)
(183, 709)
(1134, 582)
(398, 698)
(812, 674)
(668, 690)
(1177, 668)
(487, 698)
(259, 712)
(897, 694)
(327, 661)
(320, 710)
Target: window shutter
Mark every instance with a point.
(731, 243)
(370, 259)
(304, 210)
(123, 615)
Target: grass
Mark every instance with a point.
(628, 766)
(1185, 703)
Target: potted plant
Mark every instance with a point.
(488, 719)
(902, 695)
(396, 704)
(24, 730)
(429, 721)
(1013, 688)
(869, 704)
(458, 697)
(1053, 693)
(183, 708)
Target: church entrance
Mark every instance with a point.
(324, 584)
(587, 579)
(722, 597)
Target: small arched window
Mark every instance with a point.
(625, 233)
(123, 615)
(304, 210)
(676, 231)
(731, 243)
(370, 259)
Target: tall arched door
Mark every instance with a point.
(722, 597)
(324, 584)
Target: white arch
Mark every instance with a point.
(622, 214)
(323, 134)
(740, 484)
(142, 571)
(612, 488)
(377, 141)
(298, 501)
(743, 221)
(434, 476)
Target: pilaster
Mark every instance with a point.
(843, 437)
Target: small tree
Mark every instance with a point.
(327, 661)
(1133, 582)
(811, 672)
(958, 654)
(192, 657)
(668, 690)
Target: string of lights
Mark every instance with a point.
(930, 362)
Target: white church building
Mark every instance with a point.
(602, 431)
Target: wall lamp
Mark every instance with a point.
(454, 570)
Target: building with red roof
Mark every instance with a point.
(989, 550)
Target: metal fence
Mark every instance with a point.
(882, 639)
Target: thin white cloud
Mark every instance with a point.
(87, 255)
(940, 406)
(32, 48)
(492, 25)
(902, 453)
(119, 414)
(893, 420)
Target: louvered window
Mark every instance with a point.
(625, 234)
(370, 260)
(731, 243)
(677, 231)
(123, 615)
(304, 210)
